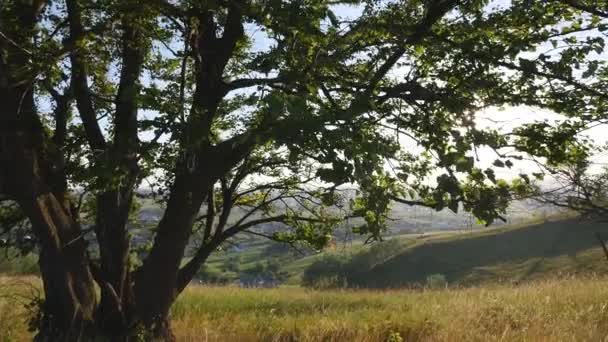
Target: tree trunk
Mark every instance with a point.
(114, 278)
(67, 313)
(156, 281)
(32, 176)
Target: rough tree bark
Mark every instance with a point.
(67, 313)
(32, 174)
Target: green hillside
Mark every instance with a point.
(508, 254)
(512, 254)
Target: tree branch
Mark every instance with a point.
(125, 122)
(210, 214)
(587, 8)
(251, 82)
(82, 93)
(434, 13)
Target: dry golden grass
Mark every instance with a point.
(15, 294)
(574, 309)
(554, 310)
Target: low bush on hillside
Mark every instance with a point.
(436, 281)
(15, 263)
(233, 271)
(344, 270)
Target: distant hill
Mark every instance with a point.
(510, 254)
(404, 218)
(513, 254)
(417, 219)
(445, 243)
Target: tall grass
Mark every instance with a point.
(573, 309)
(16, 293)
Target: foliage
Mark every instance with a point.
(327, 272)
(578, 188)
(208, 275)
(13, 262)
(232, 264)
(343, 270)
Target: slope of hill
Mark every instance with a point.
(506, 254)
(510, 254)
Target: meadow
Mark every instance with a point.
(536, 282)
(564, 309)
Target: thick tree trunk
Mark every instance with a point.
(67, 313)
(32, 175)
(189, 270)
(114, 278)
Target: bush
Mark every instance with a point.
(13, 262)
(436, 281)
(341, 270)
(327, 272)
(232, 264)
(210, 275)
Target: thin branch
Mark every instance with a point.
(251, 82)
(587, 8)
(82, 92)
(603, 244)
(210, 214)
(14, 44)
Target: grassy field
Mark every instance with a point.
(569, 309)
(543, 282)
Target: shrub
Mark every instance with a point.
(210, 275)
(340, 270)
(13, 262)
(436, 281)
(327, 271)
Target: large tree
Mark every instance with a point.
(266, 105)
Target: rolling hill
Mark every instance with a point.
(549, 249)
(512, 254)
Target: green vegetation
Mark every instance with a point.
(516, 255)
(15, 263)
(350, 267)
(511, 254)
(501, 255)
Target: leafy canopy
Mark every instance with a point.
(297, 102)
